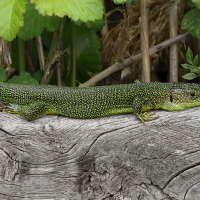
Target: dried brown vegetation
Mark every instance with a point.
(159, 32)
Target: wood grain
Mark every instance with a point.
(114, 157)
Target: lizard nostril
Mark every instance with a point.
(192, 94)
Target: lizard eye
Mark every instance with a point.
(192, 94)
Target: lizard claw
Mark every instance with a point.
(148, 117)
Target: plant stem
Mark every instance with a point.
(118, 66)
(40, 52)
(54, 47)
(144, 41)
(73, 57)
(173, 48)
(21, 55)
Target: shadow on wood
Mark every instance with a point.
(114, 157)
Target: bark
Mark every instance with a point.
(114, 157)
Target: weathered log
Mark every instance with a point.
(114, 157)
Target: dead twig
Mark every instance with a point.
(144, 41)
(118, 66)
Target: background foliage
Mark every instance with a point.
(23, 20)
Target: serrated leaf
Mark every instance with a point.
(189, 56)
(34, 23)
(191, 22)
(186, 66)
(84, 10)
(3, 75)
(24, 78)
(190, 76)
(11, 18)
(195, 61)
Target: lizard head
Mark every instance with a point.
(185, 95)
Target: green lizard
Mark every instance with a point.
(32, 102)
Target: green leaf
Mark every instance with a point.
(186, 66)
(46, 38)
(190, 76)
(191, 22)
(84, 10)
(24, 78)
(87, 51)
(3, 75)
(82, 44)
(189, 56)
(38, 75)
(194, 69)
(97, 25)
(90, 59)
(191, 4)
(195, 61)
(11, 18)
(33, 19)
(196, 3)
(122, 1)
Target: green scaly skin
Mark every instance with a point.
(32, 102)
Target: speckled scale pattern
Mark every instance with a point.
(33, 102)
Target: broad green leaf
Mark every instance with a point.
(88, 55)
(122, 1)
(34, 23)
(191, 22)
(196, 3)
(84, 10)
(191, 4)
(97, 25)
(195, 61)
(24, 78)
(190, 76)
(82, 44)
(186, 66)
(38, 75)
(46, 39)
(189, 56)
(3, 75)
(11, 18)
(90, 59)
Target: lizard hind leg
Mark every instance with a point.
(34, 110)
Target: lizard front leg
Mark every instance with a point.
(137, 110)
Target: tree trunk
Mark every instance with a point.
(115, 157)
